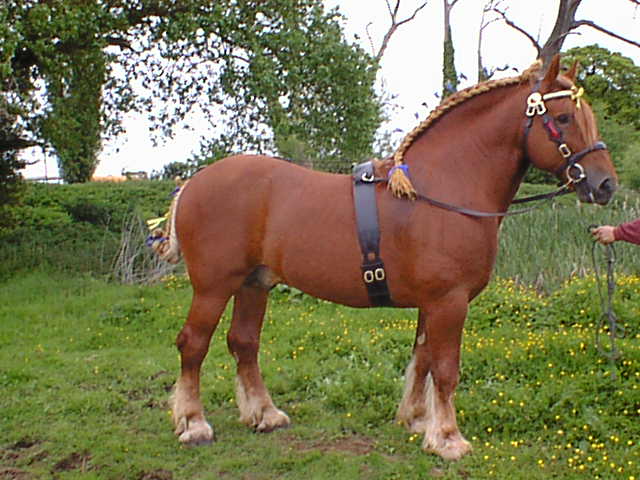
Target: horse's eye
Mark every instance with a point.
(563, 119)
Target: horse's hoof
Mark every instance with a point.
(273, 419)
(449, 449)
(194, 433)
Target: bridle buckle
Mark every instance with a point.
(535, 105)
(564, 150)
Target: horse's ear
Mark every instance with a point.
(572, 74)
(552, 71)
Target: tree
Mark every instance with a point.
(449, 73)
(609, 78)
(565, 24)
(52, 69)
(256, 69)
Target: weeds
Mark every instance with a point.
(135, 262)
(546, 247)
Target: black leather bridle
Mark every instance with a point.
(536, 107)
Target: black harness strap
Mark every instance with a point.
(374, 275)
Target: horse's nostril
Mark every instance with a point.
(607, 186)
(605, 191)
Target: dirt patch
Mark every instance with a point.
(21, 450)
(24, 444)
(156, 475)
(75, 461)
(13, 474)
(159, 374)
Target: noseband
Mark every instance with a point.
(537, 107)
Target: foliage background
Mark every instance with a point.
(269, 71)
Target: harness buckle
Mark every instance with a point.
(377, 275)
(564, 150)
(367, 177)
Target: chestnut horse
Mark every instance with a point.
(249, 222)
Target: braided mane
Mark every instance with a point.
(399, 183)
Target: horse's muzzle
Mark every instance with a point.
(598, 190)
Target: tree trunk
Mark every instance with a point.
(449, 73)
(565, 22)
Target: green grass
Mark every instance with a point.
(86, 366)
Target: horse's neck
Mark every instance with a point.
(473, 154)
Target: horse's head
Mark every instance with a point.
(562, 137)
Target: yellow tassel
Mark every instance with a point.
(400, 185)
(154, 223)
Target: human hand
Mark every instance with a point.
(604, 234)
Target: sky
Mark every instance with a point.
(410, 68)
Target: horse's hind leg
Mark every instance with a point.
(256, 407)
(193, 343)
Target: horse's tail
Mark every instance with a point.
(164, 241)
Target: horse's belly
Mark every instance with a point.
(319, 255)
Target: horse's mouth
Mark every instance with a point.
(601, 194)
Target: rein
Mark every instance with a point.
(477, 213)
(563, 190)
(606, 305)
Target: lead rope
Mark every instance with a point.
(612, 353)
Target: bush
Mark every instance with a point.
(75, 227)
(71, 247)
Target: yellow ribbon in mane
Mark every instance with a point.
(154, 223)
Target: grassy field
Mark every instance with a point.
(86, 366)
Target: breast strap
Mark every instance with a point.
(374, 275)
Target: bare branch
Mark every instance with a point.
(413, 15)
(373, 48)
(119, 42)
(595, 26)
(483, 73)
(533, 41)
(393, 11)
(16, 143)
(395, 24)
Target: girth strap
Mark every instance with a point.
(374, 275)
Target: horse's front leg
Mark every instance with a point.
(412, 411)
(432, 377)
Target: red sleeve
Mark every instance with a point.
(629, 232)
